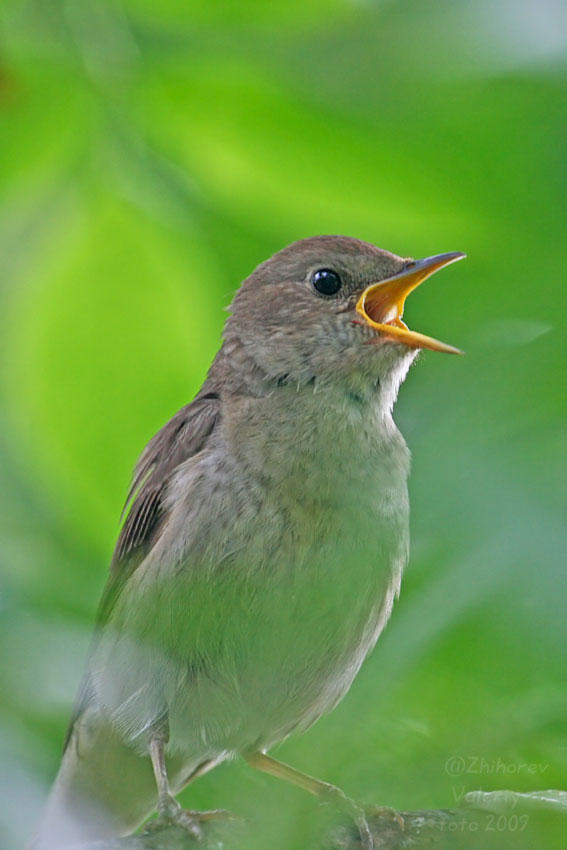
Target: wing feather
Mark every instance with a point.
(184, 436)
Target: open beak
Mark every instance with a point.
(382, 304)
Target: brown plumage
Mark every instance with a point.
(263, 546)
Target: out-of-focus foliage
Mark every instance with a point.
(151, 154)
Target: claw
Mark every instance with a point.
(170, 812)
(386, 812)
(366, 839)
(337, 798)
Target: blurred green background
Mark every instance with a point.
(151, 154)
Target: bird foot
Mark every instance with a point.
(336, 798)
(170, 812)
(386, 813)
(359, 814)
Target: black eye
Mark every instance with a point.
(326, 281)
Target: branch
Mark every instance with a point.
(481, 820)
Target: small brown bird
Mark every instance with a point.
(264, 543)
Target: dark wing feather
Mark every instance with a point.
(182, 437)
(186, 434)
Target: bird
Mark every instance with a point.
(262, 550)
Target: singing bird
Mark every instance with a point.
(265, 537)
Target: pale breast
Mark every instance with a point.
(287, 564)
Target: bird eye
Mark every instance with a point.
(326, 282)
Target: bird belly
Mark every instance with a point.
(240, 643)
(284, 659)
(240, 660)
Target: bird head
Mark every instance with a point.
(331, 307)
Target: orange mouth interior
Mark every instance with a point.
(382, 304)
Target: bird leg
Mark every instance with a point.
(168, 809)
(323, 790)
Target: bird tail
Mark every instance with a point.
(103, 789)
